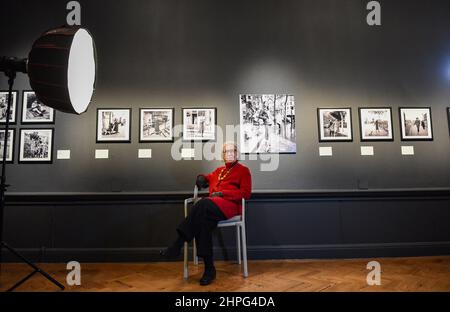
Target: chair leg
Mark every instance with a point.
(238, 242)
(244, 249)
(194, 252)
(186, 260)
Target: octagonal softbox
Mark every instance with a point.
(62, 69)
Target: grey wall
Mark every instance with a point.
(205, 53)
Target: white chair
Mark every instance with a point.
(237, 221)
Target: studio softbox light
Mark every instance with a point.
(62, 69)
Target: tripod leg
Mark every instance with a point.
(35, 267)
(11, 74)
(23, 280)
(18, 255)
(51, 279)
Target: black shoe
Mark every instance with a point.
(208, 276)
(170, 253)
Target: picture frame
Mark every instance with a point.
(36, 145)
(113, 125)
(10, 148)
(416, 123)
(199, 124)
(335, 124)
(156, 125)
(4, 105)
(34, 111)
(267, 124)
(375, 124)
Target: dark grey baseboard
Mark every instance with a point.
(299, 226)
(343, 251)
(24, 198)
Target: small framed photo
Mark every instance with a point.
(335, 124)
(199, 124)
(375, 124)
(36, 146)
(4, 106)
(34, 111)
(415, 123)
(156, 124)
(113, 125)
(10, 145)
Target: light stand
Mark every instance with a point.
(62, 68)
(10, 66)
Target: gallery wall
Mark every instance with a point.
(205, 53)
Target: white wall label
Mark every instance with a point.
(325, 151)
(144, 153)
(367, 151)
(407, 150)
(63, 154)
(101, 154)
(187, 153)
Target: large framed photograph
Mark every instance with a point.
(199, 124)
(9, 145)
(335, 124)
(36, 146)
(375, 124)
(415, 123)
(113, 125)
(34, 111)
(4, 106)
(156, 124)
(267, 124)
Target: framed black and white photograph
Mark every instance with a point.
(10, 145)
(34, 111)
(199, 124)
(113, 125)
(375, 124)
(335, 124)
(36, 146)
(267, 123)
(415, 123)
(4, 106)
(156, 124)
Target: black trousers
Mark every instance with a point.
(199, 224)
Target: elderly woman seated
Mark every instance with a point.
(228, 184)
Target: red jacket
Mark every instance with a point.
(236, 185)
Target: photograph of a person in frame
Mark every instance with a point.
(34, 110)
(227, 184)
(4, 97)
(267, 123)
(375, 123)
(416, 123)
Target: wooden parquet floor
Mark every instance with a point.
(398, 274)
